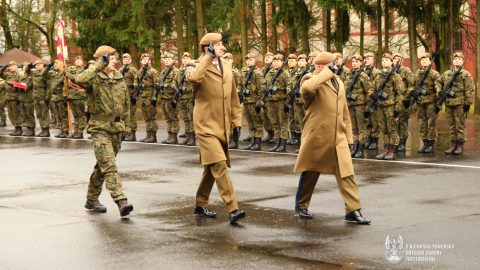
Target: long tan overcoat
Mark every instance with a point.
(216, 108)
(328, 129)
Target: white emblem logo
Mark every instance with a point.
(394, 253)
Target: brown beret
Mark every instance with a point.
(458, 54)
(91, 62)
(293, 56)
(269, 54)
(313, 54)
(186, 54)
(25, 63)
(12, 63)
(338, 55)
(169, 55)
(145, 55)
(250, 55)
(397, 55)
(324, 58)
(38, 62)
(126, 55)
(387, 55)
(278, 57)
(426, 55)
(302, 56)
(78, 57)
(357, 57)
(227, 56)
(369, 55)
(213, 37)
(104, 49)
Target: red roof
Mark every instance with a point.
(20, 57)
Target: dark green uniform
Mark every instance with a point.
(14, 111)
(186, 101)
(57, 84)
(76, 97)
(292, 120)
(254, 93)
(3, 96)
(170, 114)
(343, 75)
(373, 129)
(41, 93)
(407, 79)
(129, 76)
(275, 104)
(25, 97)
(266, 122)
(148, 111)
(298, 110)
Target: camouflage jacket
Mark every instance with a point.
(295, 69)
(431, 95)
(168, 92)
(293, 80)
(57, 83)
(27, 94)
(463, 89)
(149, 81)
(362, 88)
(75, 90)
(374, 73)
(344, 73)
(3, 94)
(407, 79)
(107, 98)
(254, 89)
(281, 85)
(129, 77)
(236, 76)
(11, 92)
(395, 91)
(187, 87)
(41, 90)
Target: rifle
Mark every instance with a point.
(178, 90)
(162, 84)
(124, 69)
(349, 94)
(270, 87)
(267, 69)
(380, 94)
(245, 92)
(419, 90)
(293, 72)
(397, 67)
(140, 85)
(296, 89)
(448, 88)
(369, 73)
(340, 69)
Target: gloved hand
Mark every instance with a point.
(105, 59)
(173, 103)
(153, 103)
(442, 94)
(47, 102)
(211, 51)
(65, 100)
(133, 101)
(265, 91)
(396, 114)
(414, 95)
(258, 109)
(366, 114)
(157, 87)
(50, 65)
(17, 101)
(332, 66)
(65, 73)
(241, 97)
(9, 83)
(437, 110)
(406, 104)
(31, 65)
(236, 134)
(86, 66)
(374, 96)
(466, 108)
(291, 94)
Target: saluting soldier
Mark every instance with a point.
(327, 121)
(13, 103)
(343, 73)
(149, 112)
(92, 62)
(3, 96)
(108, 100)
(426, 114)
(128, 72)
(457, 107)
(407, 79)
(267, 125)
(170, 114)
(41, 96)
(293, 70)
(252, 101)
(25, 96)
(216, 108)
(373, 129)
(76, 96)
(57, 84)
(389, 109)
(358, 106)
(299, 112)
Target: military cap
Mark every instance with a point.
(387, 55)
(357, 57)
(213, 37)
(269, 54)
(397, 55)
(338, 55)
(250, 55)
(145, 55)
(186, 54)
(426, 55)
(126, 55)
(293, 56)
(278, 57)
(302, 56)
(169, 55)
(104, 49)
(370, 54)
(227, 56)
(324, 58)
(25, 64)
(78, 57)
(12, 63)
(458, 54)
(313, 54)
(38, 62)
(91, 62)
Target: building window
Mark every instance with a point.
(373, 26)
(391, 22)
(47, 6)
(457, 41)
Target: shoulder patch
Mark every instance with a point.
(469, 75)
(368, 78)
(289, 76)
(239, 75)
(261, 75)
(155, 72)
(29, 78)
(438, 75)
(409, 72)
(400, 78)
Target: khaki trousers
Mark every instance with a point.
(347, 186)
(216, 172)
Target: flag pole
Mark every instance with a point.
(63, 52)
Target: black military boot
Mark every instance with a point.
(354, 149)
(356, 217)
(252, 143)
(274, 149)
(185, 135)
(299, 138)
(429, 148)
(124, 207)
(359, 153)
(258, 145)
(283, 146)
(292, 138)
(96, 206)
(295, 140)
(269, 136)
(425, 144)
(386, 148)
(453, 146)
(204, 212)
(374, 144)
(401, 145)
(369, 142)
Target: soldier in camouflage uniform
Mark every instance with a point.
(312, 57)
(186, 101)
(170, 114)
(41, 97)
(128, 72)
(390, 108)
(149, 112)
(76, 98)
(3, 96)
(345, 70)
(407, 79)
(299, 111)
(457, 107)
(275, 104)
(251, 101)
(236, 76)
(57, 82)
(267, 125)
(426, 114)
(14, 111)
(25, 96)
(373, 129)
(358, 105)
(294, 125)
(109, 107)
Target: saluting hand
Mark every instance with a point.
(211, 51)
(105, 59)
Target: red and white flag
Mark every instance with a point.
(62, 52)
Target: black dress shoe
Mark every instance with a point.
(204, 212)
(356, 217)
(235, 215)
(303, 213)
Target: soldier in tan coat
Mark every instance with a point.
(327, 134)
(216, 108)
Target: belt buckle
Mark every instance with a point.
(117, 118)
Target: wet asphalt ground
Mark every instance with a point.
(427, 199)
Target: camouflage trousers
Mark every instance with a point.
(359, 123)
(292, 121)
(266, 122)
(278, 117)
(14, 113)
(149, 114)
(427, 119)
(388, 125)
(254, 120)
(28, 113)
(41, 110)
(171, 115)
(403, 123)
(133, 116)
(77, 106)
(456, 119)
(186, 110)
(53, 110)
(62, 115)
(3, 115)
(299, 115)
(373, 129)
(105, 147)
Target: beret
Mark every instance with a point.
(387, 55)
(278, 57)
(145, 55)
(25, 64)
(426, 55)
(397, 55)
(169, 55)
(12, 63)
(250, 55)
(324, 58)
(227, 56)
(338, 55)
(313, 54)
(357, 57)
(293, 56)
(104, 49)
(38, 62)
(302, 56)
(126, 55)
(458, 54)
(186, 54)
(269, 54)
(370, 55)
(78, 57)
(213, 37)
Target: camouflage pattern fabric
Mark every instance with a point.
(62, 115)
(14, 113)
(129, 76)
(363, 90)
(11, 92)
(168, 92)
(456, 119)
(282, 85)
(266, 121)
(170, 114)
(41, 110)
(292, 122)
(186, 110)
(41, 89)
(373, 129)
(388, 125)
(28, 113)
(149, 114)
(408, 80)
(359, 123)
(299, 115)
(53, 109)
(278, 118)
(344, 73)
(255, 86)
(27, 94)
(431, 95)
(395, 91)
(73, 92)
(3, 101)
(463, 89)
(254, 120)
(57, 83)
(188, 89)
(427, 119)
(77, 106)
